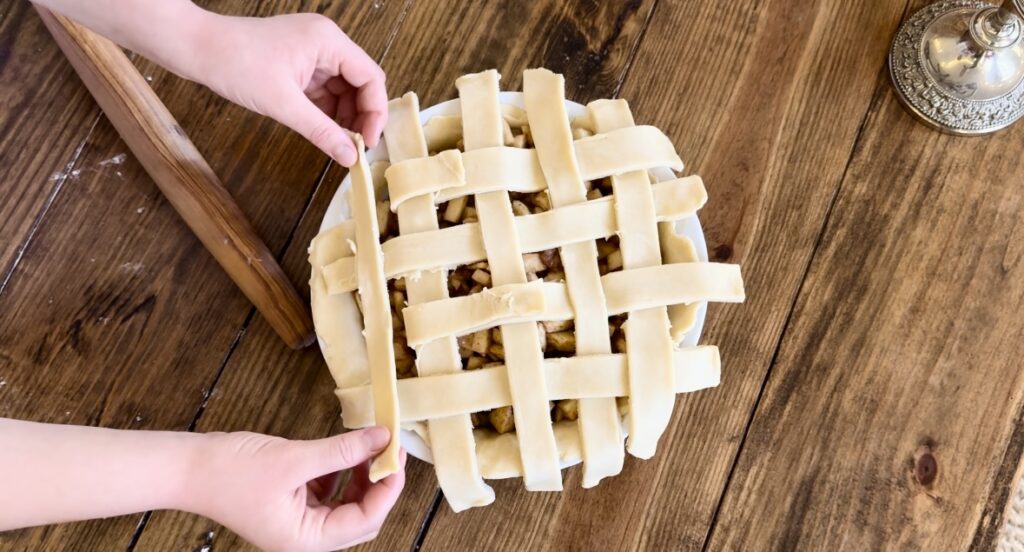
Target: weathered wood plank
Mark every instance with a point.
(294, 390)
(116, 315)
(906, 341)
(764, 99)
(44, 118)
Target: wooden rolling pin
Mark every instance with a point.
(182, 175)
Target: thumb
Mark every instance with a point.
(341, 452)
(302, 116)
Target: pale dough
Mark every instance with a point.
(659, 287)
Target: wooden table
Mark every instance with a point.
(883, 264)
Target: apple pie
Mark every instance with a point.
(511, 288)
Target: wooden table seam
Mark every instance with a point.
(986, 531)
(64, 175)
(37, 223)
(626, 70)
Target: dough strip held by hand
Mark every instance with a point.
(373, 289)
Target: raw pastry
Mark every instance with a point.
(517, 298)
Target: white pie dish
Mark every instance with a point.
(339, 211)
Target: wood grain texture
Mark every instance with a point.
(117, 316)
(186, 180)
(590, 42)
(42, 126)
(871, 394)
(757, 105)
(892, 418)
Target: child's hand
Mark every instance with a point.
(299, 69)
(279, 494)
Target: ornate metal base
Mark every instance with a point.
(958, 65)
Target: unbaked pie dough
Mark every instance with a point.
(510, 287)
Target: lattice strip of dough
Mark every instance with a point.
(648, 341)
(600, 428)
(377, 314)
(482, 128)
(464, 244)
(424, 175)
(593, 376)
(456, 463)
(494, 168)
(625, 290)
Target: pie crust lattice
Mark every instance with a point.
(659, 284)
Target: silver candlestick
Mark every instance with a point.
(958, 65)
